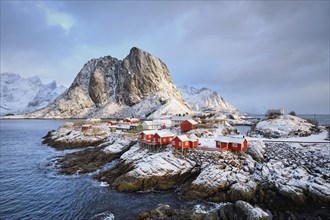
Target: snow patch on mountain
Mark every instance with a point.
(205, 99)
(24, 95)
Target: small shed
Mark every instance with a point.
(188, 125)
(163, 137)
(231, 143)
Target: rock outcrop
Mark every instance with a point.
(232, 211)
(138, 85)
(283, 127)
(140, 170)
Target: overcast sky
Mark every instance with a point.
(257, 55)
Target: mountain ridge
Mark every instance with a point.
(21, 95)
(205, 99)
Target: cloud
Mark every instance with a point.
(56, 18)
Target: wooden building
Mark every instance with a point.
(163, 137)
(184, 142)
(231, 143)
(188, 125)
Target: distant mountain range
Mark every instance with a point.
(205, 99)
(140, 85)
(24, 95)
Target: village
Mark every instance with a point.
(180, 132)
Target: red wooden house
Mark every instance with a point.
(184, 142)
(188, 125)
(146, 136)
(131, 120)
(163, 137)
(231, 143)
(111, 123)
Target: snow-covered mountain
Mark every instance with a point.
(205, 99)
(139, 85)
(24, 95)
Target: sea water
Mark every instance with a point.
(30, 188)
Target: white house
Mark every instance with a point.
(177, 120)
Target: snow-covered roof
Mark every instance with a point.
(193, 122)
(183, 137)
(149, 123)
(227, 139)
(180, 118)
(193, 137)
(149, 132)
(164, 133)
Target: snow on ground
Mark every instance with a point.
(155, 164)
(284, 126)
(117, 146)
(207, 142)
(321, 137)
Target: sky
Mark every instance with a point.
(258, 55)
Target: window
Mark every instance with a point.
(180, 144)
(186, 143)
(164, 139)
(234, 145)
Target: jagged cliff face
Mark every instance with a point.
(205, 99)
(107, 87)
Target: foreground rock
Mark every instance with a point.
(286, 176)
(230, 211)
(141, 169)
(92, 159)
(284, 126)
(70, 137)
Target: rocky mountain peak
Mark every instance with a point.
(140, 84)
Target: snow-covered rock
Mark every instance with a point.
(24, 95)
(140, 169)
(284, 126)
(206, 100)
(138, 85)
(66, 138)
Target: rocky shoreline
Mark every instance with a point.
(273, 176)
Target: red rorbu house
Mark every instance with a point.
(163, 137)
(131, 120)
(231, 143)
(184, 142)
(188, 125)
(146, 136)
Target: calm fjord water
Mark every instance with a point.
(29, 189)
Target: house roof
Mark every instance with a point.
(149, 132)
(227, 139)
(192, 137)
(180, 118)
(183, 138)
(191, 121)
(149, 123)
(165, 134)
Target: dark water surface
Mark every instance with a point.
(31, 189)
